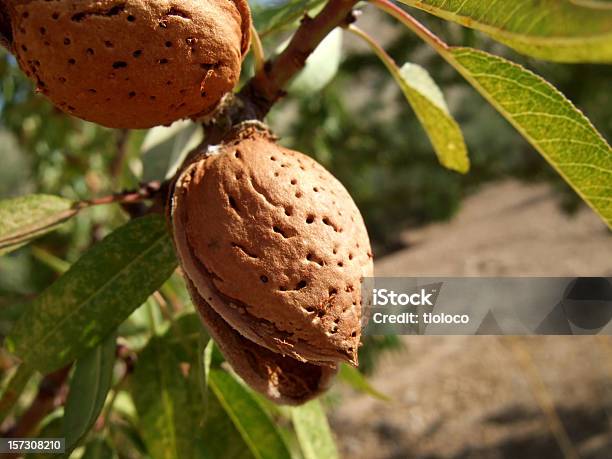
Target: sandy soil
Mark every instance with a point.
(492, 397)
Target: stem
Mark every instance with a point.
(118, 162)
(14, 389)
(146, 191)
(378, 50)
(150, 305)
(258, 51)
(405, 18)
(55, 263)
(266, 87)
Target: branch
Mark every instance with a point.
(266, 87)
(146, 191)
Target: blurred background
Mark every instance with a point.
(450, 397)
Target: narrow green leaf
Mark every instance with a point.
(184, 335)
(541, 114)
(27, 217)
(563, 30)
(219, 436)
(161, 396)
(427, 101)
(95, 295)
(357, 381)
(89, 386)
(165, 148)
(98, 448)
(313, 432)
(257, 430)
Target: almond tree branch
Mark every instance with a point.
(267, 86)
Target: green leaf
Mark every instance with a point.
(95, 295)
(563, 30)
(220, 437)
(541, 114)
(165, 148)
(98, 448)
(357, 381)
(321, 66)
(160, 393)
(313, 432)
(428, 103)
(270, 16)
(89, 386)
(257, 430)
(27, 217)
(184, 335)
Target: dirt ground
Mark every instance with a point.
(492, 397)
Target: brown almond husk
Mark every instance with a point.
(281, 379)
(276, 247)
(131, 63)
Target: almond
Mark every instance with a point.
(275, 245)
(282, 379)
(131, 63)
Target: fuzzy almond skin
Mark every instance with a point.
(131, 63)
(276, 246)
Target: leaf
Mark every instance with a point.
(357, 381)
(313, 432)
(183, 336)
(165, 148)
(272, 15)
(95, 295)
(98, 448)
(220, 437)
(160, 393)
(321, 66)
(254, 425)
(428, 103)
(541, 114)
(28, 217)
(562, 31)
(89, 386)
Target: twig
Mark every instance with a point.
(267, 86)
(147, 191)
(419, 29)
